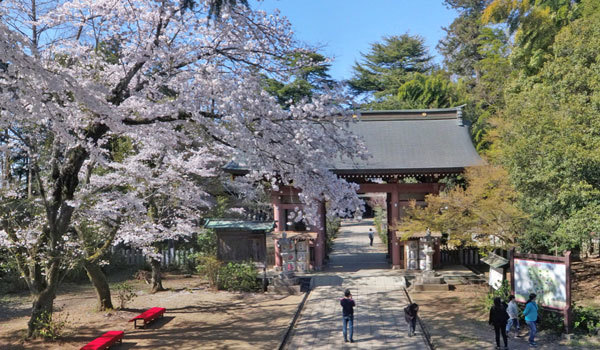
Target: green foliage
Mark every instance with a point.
(242, 277)
(586, 319)
(380, 221)
(486, 210)
(549, 141)
(207, 242)
(10, 277)
(333, 229)
(388, 65)
(534, 24)
(52, 327)
(551, 321)
(429, 91)
(503, 293)
(310, 75)
(125, 293)
(209, 266)
(460, 47)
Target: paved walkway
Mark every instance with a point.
(378, 316)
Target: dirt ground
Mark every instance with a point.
(586, 282)
(196, 318)
(455, 320)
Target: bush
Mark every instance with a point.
(10, 277)
(333, 229)
(207, 242)
(49, 327)
(503, 293)
(379, 222)
(241, 277)
(125, 294)
(209, 266)
(586, 320)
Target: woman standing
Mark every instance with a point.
(531, 316)
(499, 318)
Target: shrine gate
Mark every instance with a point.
(411, 151)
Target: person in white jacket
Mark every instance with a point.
(513, 313)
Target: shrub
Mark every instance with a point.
(503, 292)
(333, 229)
(125, 294)
(49, 327)
(209, 266)
(207, 242)
(241, 277)
(10, 277)
(586, 319)
(379, 222)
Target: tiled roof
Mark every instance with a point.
(407, 141)
(224, 224)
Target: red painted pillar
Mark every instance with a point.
(394, 241)
(321, 238)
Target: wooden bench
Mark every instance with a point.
(105, 341)
(148, 316)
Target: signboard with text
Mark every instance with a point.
(546, 279)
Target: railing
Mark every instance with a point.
(461, 256)
(169, 257)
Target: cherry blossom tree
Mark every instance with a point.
(185, 92)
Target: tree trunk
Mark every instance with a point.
(100, 283)
(156, 278)
(41, 311)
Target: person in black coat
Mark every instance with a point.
(499, 318)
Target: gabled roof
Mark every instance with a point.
(495, 260)
(224, 224)
(404, 142)
(412, 141)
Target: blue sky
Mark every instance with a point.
(347, 27)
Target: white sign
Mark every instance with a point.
(546, 279)
(495, 277)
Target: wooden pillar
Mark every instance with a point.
(388, 203)
(395, 246)
(568, 312)
(279, 217)
(321, 238)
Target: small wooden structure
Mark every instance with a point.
(498, 268)
(412, 249)
(297, 253)
(239, 240)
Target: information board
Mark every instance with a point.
(546, 279)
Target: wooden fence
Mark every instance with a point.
(461, 256)
(170, 257)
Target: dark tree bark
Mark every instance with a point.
(42, 309)
(156, 278)
(100, 283)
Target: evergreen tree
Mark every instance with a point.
(389, 64)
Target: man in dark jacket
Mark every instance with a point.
(348, 314)
(499, 317)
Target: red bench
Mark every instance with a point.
(105, 341)
(148, 316)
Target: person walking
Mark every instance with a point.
(371, 236)
(531, 316)
(513, 316)
(410, 315)
(348, 315)
(498, 318)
